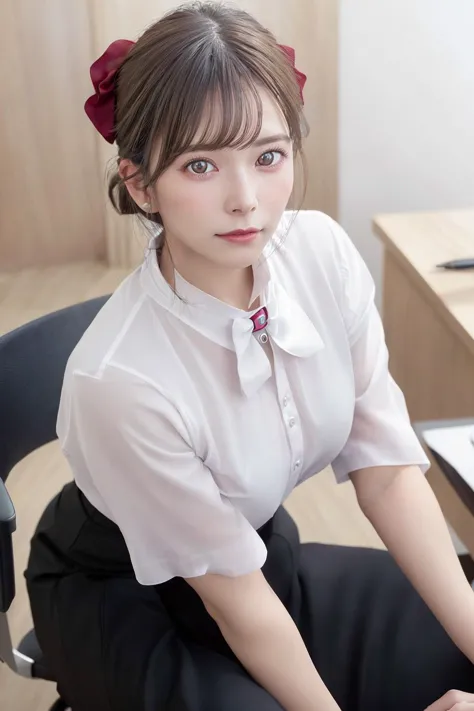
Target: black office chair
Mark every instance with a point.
(32, 363)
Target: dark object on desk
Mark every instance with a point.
(32, 363)
(467, 263)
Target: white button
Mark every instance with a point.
(292, 422)
(263, 338)
(286, 400)
(297, 463)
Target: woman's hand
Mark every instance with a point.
(453, 701)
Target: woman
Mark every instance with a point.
(245, 355)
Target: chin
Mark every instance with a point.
(240, 256)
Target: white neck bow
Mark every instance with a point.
(289, 328)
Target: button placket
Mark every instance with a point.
(290, 416)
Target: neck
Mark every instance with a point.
(232, 286)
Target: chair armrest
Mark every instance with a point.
(7, 527)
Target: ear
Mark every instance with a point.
(134, 184)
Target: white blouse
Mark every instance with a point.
(188, 431)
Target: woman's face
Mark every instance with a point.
(208, 193)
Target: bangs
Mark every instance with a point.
(215, 110)
(229, 117)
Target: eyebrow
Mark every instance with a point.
(272, 139)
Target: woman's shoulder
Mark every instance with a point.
(110, 385)
(119, 348)
(316, 259)
(315, 237)
(309, 243)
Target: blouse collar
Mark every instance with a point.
(288, 326)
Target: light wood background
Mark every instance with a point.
(428, 312)
(53, 204)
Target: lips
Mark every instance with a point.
(240, 233)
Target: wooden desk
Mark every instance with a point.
(428, 315)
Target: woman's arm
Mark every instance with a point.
(404, 511)
(263, 636)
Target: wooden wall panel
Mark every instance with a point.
(311, 26)
(51, 200)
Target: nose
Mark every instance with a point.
(241, 195)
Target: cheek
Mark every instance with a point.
(278, 191)
(181, 199)
(176, 203)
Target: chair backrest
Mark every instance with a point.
(33, 359)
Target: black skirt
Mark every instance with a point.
(115, 645)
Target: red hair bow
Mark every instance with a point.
(100, 107)
(300, 77)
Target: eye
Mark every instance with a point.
(199, 167)
(271, 158)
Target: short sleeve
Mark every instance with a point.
(136, 448)
(381, 433)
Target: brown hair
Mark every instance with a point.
(197, 51)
